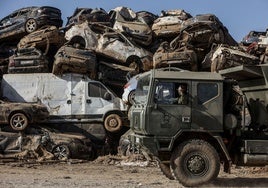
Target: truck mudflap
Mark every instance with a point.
(228, 162)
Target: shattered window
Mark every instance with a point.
(96, 90)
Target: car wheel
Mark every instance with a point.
(18, 121)
(31, 25)
(113, 123)
(61, 152)
(195, 162)
(131, 97)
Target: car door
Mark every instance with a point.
(167, 115)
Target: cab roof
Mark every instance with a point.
(187, 75)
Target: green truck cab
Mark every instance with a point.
(213, 125)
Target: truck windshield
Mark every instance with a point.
(141, 94)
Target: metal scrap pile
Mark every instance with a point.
(109, 46)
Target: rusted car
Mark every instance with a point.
(146, 17)
(223, 56)
(43, 38)
(71, 58)
(116, 46)
(125, 20)
(42, 143)
(20, 115)
(178, 53)
(66, 145)
(27, 20)
(169, 23)
(80, 15)
(182, 57)
(28, 60)
(82, 34)
(111, 44)
(207, 29)
(252, 36)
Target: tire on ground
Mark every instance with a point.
(195, 162)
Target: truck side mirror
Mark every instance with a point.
(107, 96)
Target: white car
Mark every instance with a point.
(129, 90)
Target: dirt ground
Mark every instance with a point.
(112, 171)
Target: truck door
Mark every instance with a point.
(171, 108)
(96, 103)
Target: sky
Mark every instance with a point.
(239, 16)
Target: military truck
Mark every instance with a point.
(224, 121)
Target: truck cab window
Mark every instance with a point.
(171, 93)
(96, 90)
(206, 92)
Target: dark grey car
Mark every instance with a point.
(80, 15)
(71, 58)
(28, 60)
(27, 20)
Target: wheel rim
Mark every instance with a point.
(19, 122)
(31, 26)
(113, 123)
(196, 164)
(61, 152)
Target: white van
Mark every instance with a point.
(69, 98)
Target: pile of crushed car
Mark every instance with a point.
(112, 47)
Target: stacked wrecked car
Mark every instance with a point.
(110, 47)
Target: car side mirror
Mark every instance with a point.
(107, 96)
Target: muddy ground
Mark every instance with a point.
(113, 171)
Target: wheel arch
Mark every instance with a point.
(19, 111)
(137, 59)
(78, 39)
(118, 112)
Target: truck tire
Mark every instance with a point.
(113, 123)
(18, 121)
(195, 162)
(165, 169)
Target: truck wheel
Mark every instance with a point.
(113, 123)
(30, 25)
(194, 163)
(61, 151)
(18, 121)
(165, 169)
